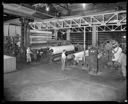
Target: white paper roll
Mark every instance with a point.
(59, 49)
(80, 55)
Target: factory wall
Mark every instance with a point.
(118, 36)
(11, 30)
(78, 38)
(102, 36)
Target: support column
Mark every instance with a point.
(24, 33)
(56, 34)
(84, 43)
(28, 35)
(94, 35)
(68, 34)
(95, 42)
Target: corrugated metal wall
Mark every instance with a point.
(102, 36)
(78, 38)
(11, 30)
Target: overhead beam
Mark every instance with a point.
(45, 14)
(17, 13)
(20, 10)
(71, 22)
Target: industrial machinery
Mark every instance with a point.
(44, 42)
(38, 39)
(57, 50)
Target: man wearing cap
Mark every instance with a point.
(116, 51)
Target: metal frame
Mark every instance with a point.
(114, 21)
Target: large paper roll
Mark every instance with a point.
(59, 49)
(80, 55)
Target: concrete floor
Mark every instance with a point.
(44, 82)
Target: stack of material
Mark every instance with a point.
(9, 64)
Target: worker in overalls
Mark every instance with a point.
(63, 59)
(116, 51)
(28, 54)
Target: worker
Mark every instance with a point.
(116, 50)
(119, 58)
(63, 59)
(28, 54)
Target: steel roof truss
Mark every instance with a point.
(114, 18)
(85, 22)
(110, 18)
(66, 24)
(97, 20)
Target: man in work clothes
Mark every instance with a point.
(117, 58)
(117, 52)
(63, 59)
(28, 55)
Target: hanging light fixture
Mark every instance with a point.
(47, 8)
(83, 5)
(124, 37)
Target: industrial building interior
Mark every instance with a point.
(36, 35)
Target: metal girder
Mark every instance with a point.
(117, 18)
(62, 6)
(108, 28)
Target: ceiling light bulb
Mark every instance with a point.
(124, 36)
(84, 5)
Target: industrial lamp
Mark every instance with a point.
(83, 5)
(47, 8)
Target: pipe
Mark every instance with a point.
(21, 9)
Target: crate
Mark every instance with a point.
(9, 64)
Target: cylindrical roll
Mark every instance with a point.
(80, 55)
(59, 49)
